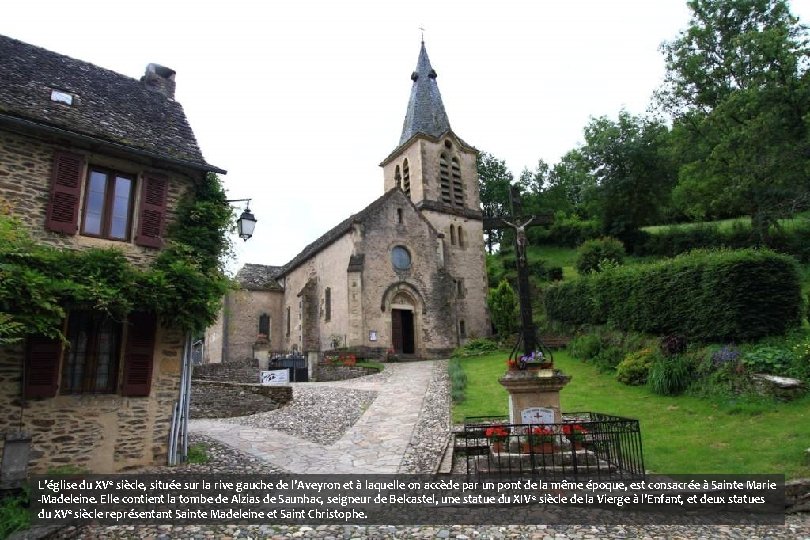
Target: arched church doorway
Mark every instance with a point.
(403, 337)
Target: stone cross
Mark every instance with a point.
(527, 324)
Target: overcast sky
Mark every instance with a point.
(300, 100)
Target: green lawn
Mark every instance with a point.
(680, 434)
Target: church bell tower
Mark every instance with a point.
(437, 171)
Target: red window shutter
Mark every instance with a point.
(138, 357)
(152, 210)
(66, 183)
(41, 366)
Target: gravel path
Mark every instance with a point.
(426, 446)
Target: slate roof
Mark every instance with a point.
(107, 107)
(259, 277)
(425, 113)
(336, 232)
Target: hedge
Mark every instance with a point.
(703, 295)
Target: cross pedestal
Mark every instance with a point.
(531, 388)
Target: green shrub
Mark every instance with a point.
(767, 359)
(503, 308)
(800, 368)
(14, 513)
(670, 376)
(608, 358)
(458, 380)
(585, 347)
(592, 254)
(198, 453)
(724, 295)
(475, 347)
(635, 367)
(566, 231)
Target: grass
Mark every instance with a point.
(198, 453)
(681, 434)
(14, 514)
(371, 364)
(725, 225)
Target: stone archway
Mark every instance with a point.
(406, 307)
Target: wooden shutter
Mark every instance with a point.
(66, 184)
(138, 356)
(41, 366)
(152, 212)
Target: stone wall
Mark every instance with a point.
(103, 433)
(243, 371)
(240, 324)
(218, 399)
(341, 373)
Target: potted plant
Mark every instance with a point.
(535, 360)
(497, 435)
(575, 433)
(512, 364)
(539, 440)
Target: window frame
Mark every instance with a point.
(109, 202)
(90, 356)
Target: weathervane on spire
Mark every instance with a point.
(422, 28)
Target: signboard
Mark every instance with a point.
(537, 415)
(276, 376)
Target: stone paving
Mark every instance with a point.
(376, 443)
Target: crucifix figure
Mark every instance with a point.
(527, 323)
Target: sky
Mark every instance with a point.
(301, 100)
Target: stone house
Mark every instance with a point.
(405, 273)
(92, 158)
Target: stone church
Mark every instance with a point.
(405, 273)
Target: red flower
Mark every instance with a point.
(574, 432)
(540, 434)
(496, 433)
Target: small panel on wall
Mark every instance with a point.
(372, 335)
(537, 415)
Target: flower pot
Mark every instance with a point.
(497, 447)
(539, 448)
(576, 445)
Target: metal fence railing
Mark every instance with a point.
(584, 444)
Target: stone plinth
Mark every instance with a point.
(534, 388)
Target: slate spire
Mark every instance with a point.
(425, 112)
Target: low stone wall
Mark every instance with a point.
(220, 399)
(242, 371)
(341, 373)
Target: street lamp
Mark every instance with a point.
(246, 222)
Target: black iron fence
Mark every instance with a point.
(585, 444)
(295, 363)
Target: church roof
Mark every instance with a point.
(336, 232)
(105, 107)
(425, 112)
(259, 277)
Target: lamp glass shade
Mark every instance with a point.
(245, 224)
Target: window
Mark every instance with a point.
(399, 215)
(107, 205)
(460, 237)
(108, 202)
(400, 258)
(397, 178)
(288, 321)
(444, 179)
(462, 329)
(91, 363)
(264, 325)
(406, 178)
(327, 301)
(95, 359)
(458, 187)
(452, 235)
(460, 287)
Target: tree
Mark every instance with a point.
(629, 160)
(738, 89)
(494, 181)
(503, 307)
(572, 183)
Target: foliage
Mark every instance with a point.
(574, 432)
(496, 433)
(541, 434)
(726, 355)
(458, 380)
(630, 160)
(592, 253)
(14, 513)
(609, 357)
(635, 367)
(183, 286)
(568, 231)
(672, 345)
(768, 359)
(670, 376)
(738, 89)
(503, 308)
(198, 453)
(494, 180)
(475, 347)
(585, 346)
(704, 296)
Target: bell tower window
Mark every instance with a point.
(397, 178)
(458, 187)
(444, 179)
(452, 235)
(406, 178)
